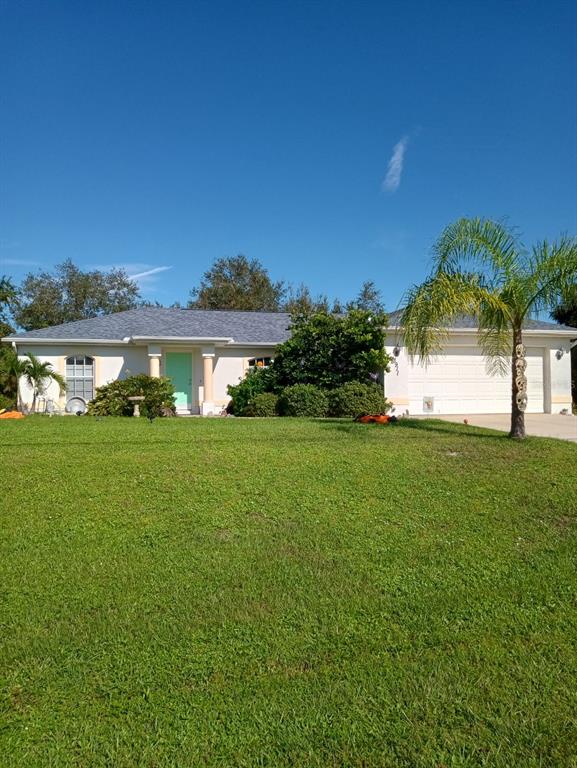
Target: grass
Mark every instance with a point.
(285, 593)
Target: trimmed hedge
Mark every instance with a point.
(303, 400)
(112, 399)
(264, 404)
(357, 399)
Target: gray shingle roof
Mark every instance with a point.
(468, 323)
(242, 327)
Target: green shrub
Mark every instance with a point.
(112, 399)
(303, 400)
(256, 381)
(357, 399)
(264, 404)
(6, 403)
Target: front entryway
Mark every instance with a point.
(179, 369)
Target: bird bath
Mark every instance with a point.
(136, 399)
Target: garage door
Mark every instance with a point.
(457, 382)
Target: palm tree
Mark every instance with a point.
(39, 375)
(481, 269)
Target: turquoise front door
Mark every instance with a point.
(179, 369)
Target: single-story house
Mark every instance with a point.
(204, 351)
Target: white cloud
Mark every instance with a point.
(147, 273)
(395, 170)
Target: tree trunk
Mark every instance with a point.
(517, 413)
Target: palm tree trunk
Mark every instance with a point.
(517, 414)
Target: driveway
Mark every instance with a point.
(540, 424)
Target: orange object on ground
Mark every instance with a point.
(374, 418)
(12, 415)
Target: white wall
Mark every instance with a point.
(111, 363)
(560, 383)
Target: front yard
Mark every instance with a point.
(285, 593)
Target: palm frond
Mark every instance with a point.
(479, 245)
(552, 269)
(432, 306)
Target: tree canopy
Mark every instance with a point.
(237, 282)
(566, 311)
(69, 294)
(368, 298)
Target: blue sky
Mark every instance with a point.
(330, 140)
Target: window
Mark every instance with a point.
(259, 362)
(80, 377)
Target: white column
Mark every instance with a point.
(208, 356)
(154, 355)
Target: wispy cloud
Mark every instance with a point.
(147, 273)
(8, 244)
(395, 169)
(19, 262)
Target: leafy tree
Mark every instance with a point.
(481, 269)
(39, 375)
(70, 294)
(237, 283)
(566, 311)
(328, 350)
(8, 295)
(566, 314)
(300, 301)
(368, 298)
(11, 369)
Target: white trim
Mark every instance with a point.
(526, 331)
(255, 343)
(185, 339)
(229, 341)
(31, 340)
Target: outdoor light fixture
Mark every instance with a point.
(559, 354)
(396, 350)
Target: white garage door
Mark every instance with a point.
(458, 382)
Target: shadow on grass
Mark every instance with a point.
(419, 425)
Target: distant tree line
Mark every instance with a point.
(235, 283)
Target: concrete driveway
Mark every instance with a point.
(539, 424)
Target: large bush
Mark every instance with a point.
(256, 381)
(112, 399)
(357, 399)
(303, 400)
(328, 349)
(265, 404)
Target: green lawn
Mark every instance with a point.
(285, 593)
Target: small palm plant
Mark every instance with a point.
(481, 269)
(39, 375)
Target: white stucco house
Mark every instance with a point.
(204, 351)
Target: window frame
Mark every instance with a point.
(79, 376)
